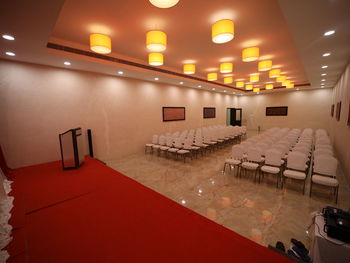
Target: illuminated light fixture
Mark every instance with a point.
(213, 89)
(323, 79)
(100, 43)
(155, 59)
(328, 33)
(67, 63)
(120, 72)
(249, 87)
(254, 78)
(228, 80)
(323, 74)
(290, 86)
(164, 3)
(265, 65)
(269, 86)
(325, 66)
(222, 31)
(286, 83)
(256, 89)
(181, 83)
(189, 68)
(226, 67)
(11, 54)
(281, 78)
(274, 73)
(326, 54)
(8, 37)
(156, 78)
(250, 54)
(156, 41)
(212, 76)
(199, 86)
(239, 84)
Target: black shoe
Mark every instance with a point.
(301, 254)
(292, 255)
(280, 246)
(300, 245)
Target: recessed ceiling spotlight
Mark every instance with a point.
(258, 93)
(181, 83)
(326, 54)
(328, 33)
(8, 37)
(325, 66)
(199, 86)
(323, 80)
(324, 74)
(213, 89)
(120, 72)
(67, 63)
(297, 89)
(224, 90)
(322, 87)
(11, 54)
(156, 78)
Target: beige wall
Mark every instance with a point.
(39, 102)
(340, 131)
(306, 109)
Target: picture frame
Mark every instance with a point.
(209, 112)
(277, 111)
(174, 113)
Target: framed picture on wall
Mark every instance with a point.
(277, 111)
(174, 113)
(209, 112)
(332, 110)
(338, 111)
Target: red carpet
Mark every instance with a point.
(96, 214)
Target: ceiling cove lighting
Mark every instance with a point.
(212, 76)
(100, 43)
(274, 73)
(249, 87)
(189, 69)
(265, 65)
(250, 54)
(326, 54)
(8, 37)
(11, 54)
(290, 86)
(226, 67)
(239, 84)
(228, 80)
(67, 63)
(328, 33)
(281, 78)
(269, 86)
(155, 59)
(254, 78)
(256, 89)
(164, 3)
(286, 83)
(222, 31)
(156, 41)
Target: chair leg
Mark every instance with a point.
(310, 188)
(304, 187)
(223, 170)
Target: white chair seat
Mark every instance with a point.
(211, 143)
(270, 169)
(164, 148)
(219, 140)
(182, 151)
(195, 148)
(154, 146)
(324, 180)
(149, 144)
(250, 166)
(232, 161)
(294, 174)
(173, 150)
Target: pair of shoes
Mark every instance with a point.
(300, 245)
(301, 254)
(280, 246)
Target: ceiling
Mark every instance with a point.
(288, 32)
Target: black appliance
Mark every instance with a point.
(337, 223)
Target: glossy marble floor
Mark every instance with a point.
(259, 212)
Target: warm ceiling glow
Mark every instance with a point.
(281, 78)
(228, 80)
(226, 67)
(275, 73)
(269, 86)
(212, 76)
(156, 41)
(222, 31)
(254, 78)
(239, 84)
(155, 59)
(256, 89)
(100, 43)
(164, 3)
(265, 65)
(250, 54)
(286, 83)
(249, 87)
(189, 68)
